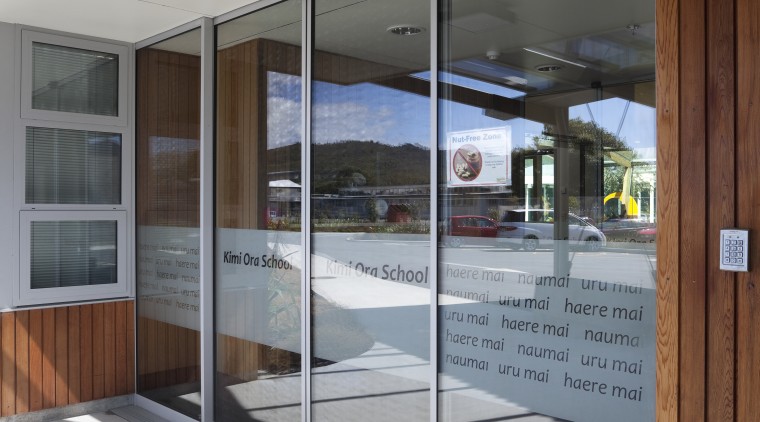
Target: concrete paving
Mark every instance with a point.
(95, 417)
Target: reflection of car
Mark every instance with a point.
(646, 235)
(468, 226)
(534, 227)
(629, 230)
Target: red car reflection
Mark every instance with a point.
(647, 235)
(629, 230)
(468, 226)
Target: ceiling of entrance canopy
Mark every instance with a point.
(586, 42)
(545, 45)
(121, 20)
(591, 42)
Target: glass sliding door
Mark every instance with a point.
(370, 208)
(543, 207)
(547, 141)
(257, 259)
(167, 213)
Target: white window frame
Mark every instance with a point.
(20, 170)
(122, 213)
(28, 296)
(28, 37)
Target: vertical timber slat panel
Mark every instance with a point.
(98, 386)
(109, 349)
(259, 132)
(193, 345)
(183, 363)
(170, 351)
(86, 347)
(8, 394)
(748, 202)
(221, 136)
(23, 353)
(141, 366)
(150, 359)
(245, 142)
(130, 347)
(141, 157)
(35, 360)
(48, 358)
(61, 356)
(181, 125)
(75, 355)
(692, 254)
(120, 322)
(172, 126)
(160, 350)
(667, 42)
(721, 136)
(194, 130)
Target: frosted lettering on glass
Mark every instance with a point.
(525, 336)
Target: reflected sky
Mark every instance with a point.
(370, 112)
(634, 123)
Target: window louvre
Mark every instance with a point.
(71, 176)
(73, 253)
(72, 166)
(74, 80)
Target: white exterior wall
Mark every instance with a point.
(8, 219)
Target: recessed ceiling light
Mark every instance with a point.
(548, 67)
(405, 29)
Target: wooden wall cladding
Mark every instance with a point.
(169, 354)
(168, 195)
(168, 133)
(66, 355)
(668, 148)
(748, 201)
(701, 364)
(721, 176)
(692, 268)
(241, 145)
(239, 359)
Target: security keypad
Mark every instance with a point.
(734, 250)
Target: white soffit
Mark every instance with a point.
(122, 20)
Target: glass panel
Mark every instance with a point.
(167, 208)
(371, 211)
(258, 216)
(73, 253)
(72, 166)
(547, 132)
(74, 80)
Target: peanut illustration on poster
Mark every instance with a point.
(479, 157)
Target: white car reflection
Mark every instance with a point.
(534, 228)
